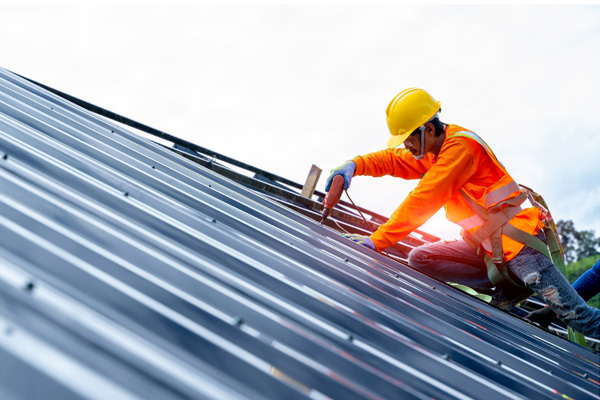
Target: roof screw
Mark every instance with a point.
(5, 157)
(126, 194)
(499, 362)
(586, 376)
(29, 286)
(350, 337)
(446, 356)
(209, 186)
(433, 287)
(345, 259)
(153, 167)
(238, 321)
(397, 275)
(214, 220)
(551, 372)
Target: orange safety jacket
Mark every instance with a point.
(465, 166)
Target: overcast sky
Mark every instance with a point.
(284, 86)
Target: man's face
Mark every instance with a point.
(413, 143)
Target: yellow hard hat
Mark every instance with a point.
(410, 109)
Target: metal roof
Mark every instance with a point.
(132, 270)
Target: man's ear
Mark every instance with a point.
(429, 129)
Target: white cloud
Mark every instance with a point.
(283, 87)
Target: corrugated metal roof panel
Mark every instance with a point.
(129, 271)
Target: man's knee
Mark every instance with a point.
(417, 257)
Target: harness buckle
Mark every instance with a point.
(545, 215)
(498, 260)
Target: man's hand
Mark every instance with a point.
(362, 240)
(346, 170)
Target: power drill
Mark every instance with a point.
(333, 196)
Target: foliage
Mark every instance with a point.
(577, 244)
(472, 292)
(582, 250)
(575, 269)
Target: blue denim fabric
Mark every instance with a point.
(540, 275)
(457, 262)
(451, 261)
(588, 284)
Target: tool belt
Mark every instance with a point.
(496, 224)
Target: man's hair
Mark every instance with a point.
(438, 125)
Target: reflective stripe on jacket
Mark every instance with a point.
(464, 162)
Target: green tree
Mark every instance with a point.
(566, 231)
(577, 244)
(587, 244)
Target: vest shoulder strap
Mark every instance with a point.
(478, 139)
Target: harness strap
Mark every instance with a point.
(481, 211)
(493, 273)
(527, 239)
(496, 242)
(497, 272)
(556, 254)
(496, 219)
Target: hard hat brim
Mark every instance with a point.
(396, 140)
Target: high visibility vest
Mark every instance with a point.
(492, 216)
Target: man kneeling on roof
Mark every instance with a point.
(458, 170)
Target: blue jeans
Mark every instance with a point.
(456, 261)
(588, 284)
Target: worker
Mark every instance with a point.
(459, 171)
(587, 286)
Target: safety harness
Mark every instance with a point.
(496, 223)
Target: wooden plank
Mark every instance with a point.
(311, 182)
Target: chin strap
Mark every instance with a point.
(422, 150)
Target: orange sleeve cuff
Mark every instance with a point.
(380, 241)
(360, 165)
